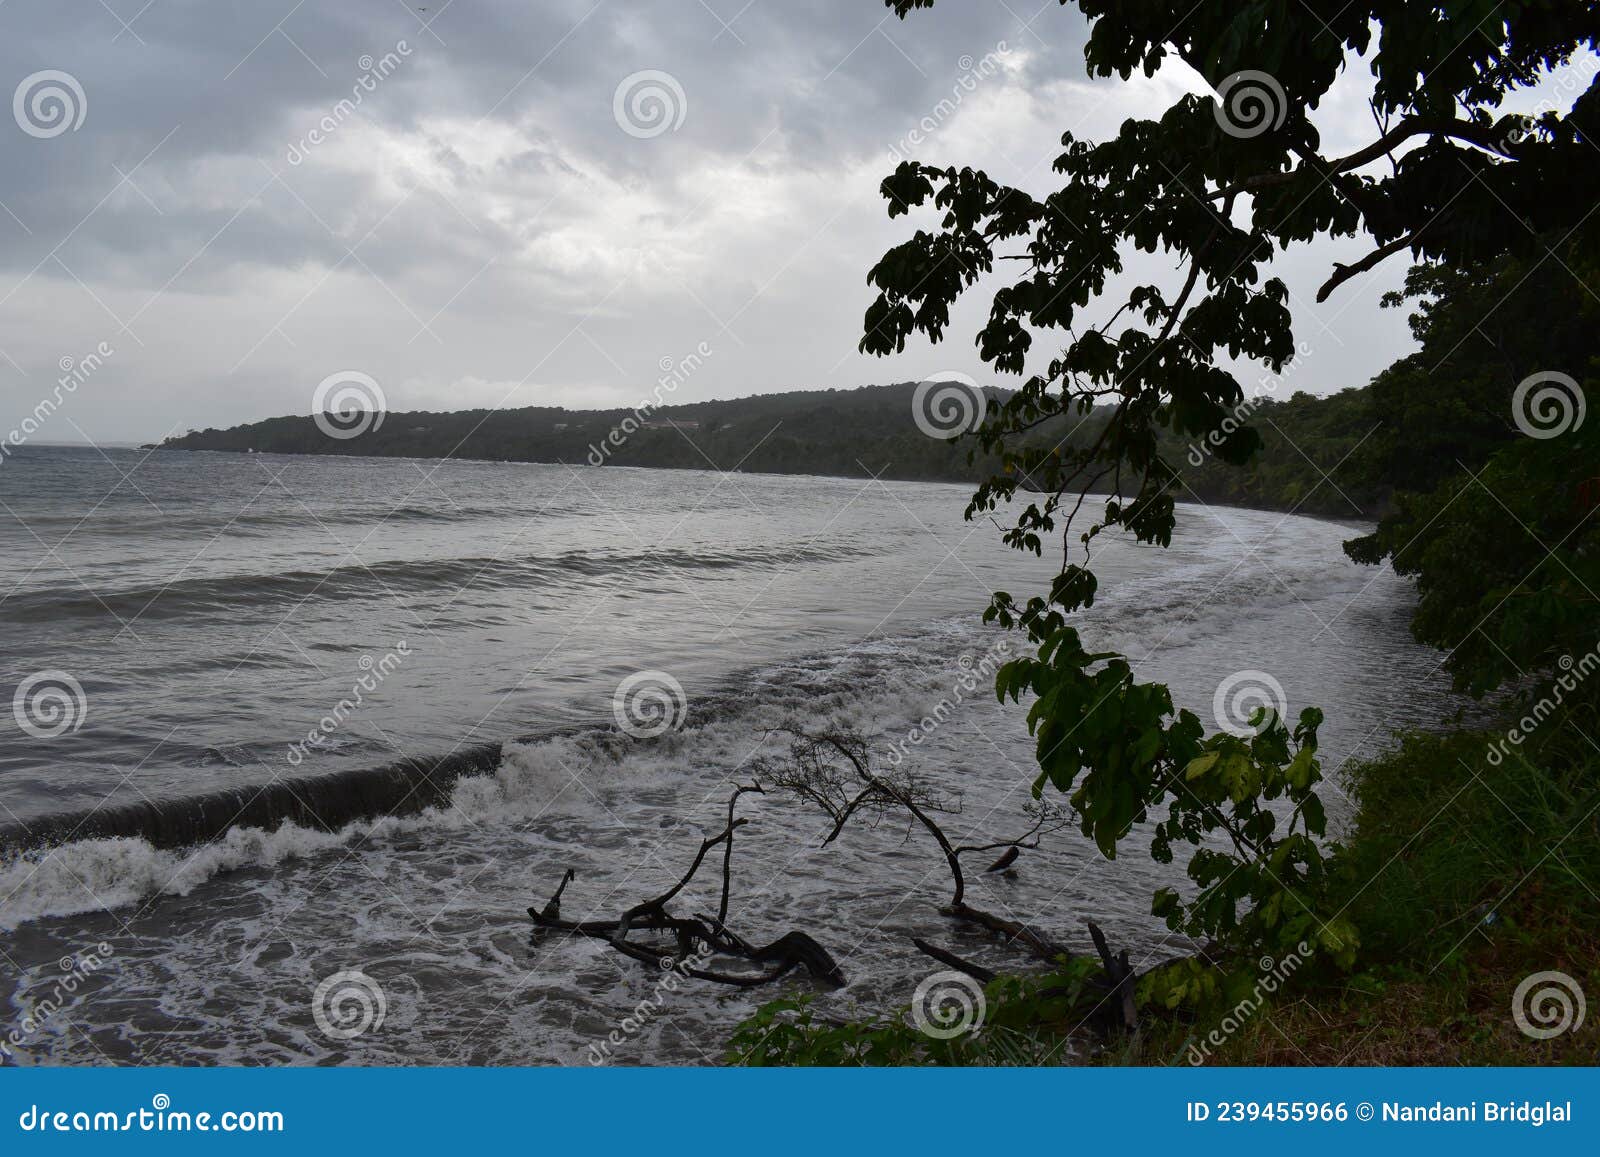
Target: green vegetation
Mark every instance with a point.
(1462, 885)
(841, 432)
(844, 433)
(1496, 520)
(1465, 877)
(1473, 864)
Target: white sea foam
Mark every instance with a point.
(107, 874)
(879, 686)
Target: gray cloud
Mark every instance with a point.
(478, 230)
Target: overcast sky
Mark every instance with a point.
(489, 226)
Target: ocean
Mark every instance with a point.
(281, 719)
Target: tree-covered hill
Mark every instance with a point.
(850, 433)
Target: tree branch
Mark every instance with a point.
(1343, 273)
(1406, 129)
(792, 950)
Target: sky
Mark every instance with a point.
(214, 205)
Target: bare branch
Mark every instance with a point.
(792, 950)
(977, 971)
(1406, 129)
(812, 775)
(1343, 273)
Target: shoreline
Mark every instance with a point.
(1366, 522)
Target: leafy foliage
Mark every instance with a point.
(1121, 753)
(1482, 199)
(1026, 1020)
(1461, 192)
(1467, 191)
(1521, 508)
(1499, 887)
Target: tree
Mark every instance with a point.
(1497, 468)
(1223, 183)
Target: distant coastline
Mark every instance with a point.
(867, 432)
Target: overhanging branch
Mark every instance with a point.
(1343, 273)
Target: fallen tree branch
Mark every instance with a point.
(1112, 1012)
(813, 773)
(696, 937)
(1119, 974)
(977, 971)
(1014, 931)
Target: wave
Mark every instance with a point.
(72, 863)
(113, 857)
(356, 581)
(325, 802)
(331, 800)
(93, 862)
(135, 854)
(151, 527)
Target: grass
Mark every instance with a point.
(1464, 878)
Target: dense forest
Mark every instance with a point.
(850, 433)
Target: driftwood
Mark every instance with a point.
(694, 938)
(1120, 976)
(977, 971)
(1113, 1012)
(833, 772)
(813, 773)
(1007, 858)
